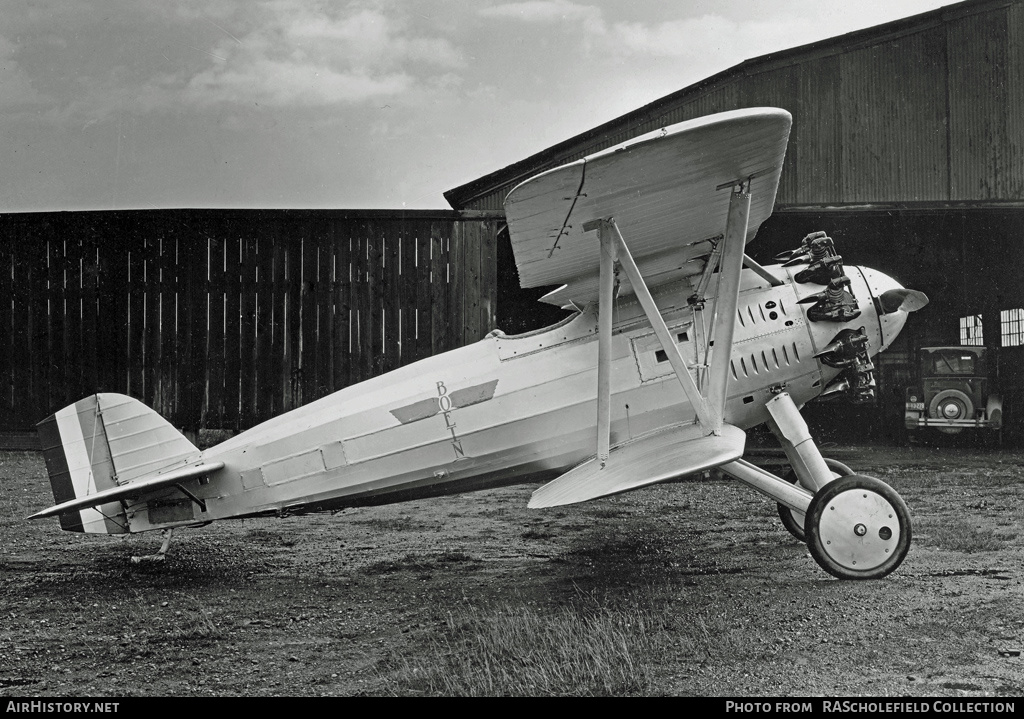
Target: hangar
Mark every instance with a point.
(907, 148)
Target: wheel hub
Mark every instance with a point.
(859, 529)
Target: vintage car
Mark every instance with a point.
(954, 392)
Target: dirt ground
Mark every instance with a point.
(702, 588)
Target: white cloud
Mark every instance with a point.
(367, 38)
(16, 86)
(697, 38)
(706, 35)
(277, 83)
(298, 56)
(548, 11)
(233, 54)
(675, 38)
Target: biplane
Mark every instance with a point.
(677, 343)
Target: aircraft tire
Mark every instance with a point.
(858, 527)
(794, 521)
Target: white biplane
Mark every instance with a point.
(679, 342)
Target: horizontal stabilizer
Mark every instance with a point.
(99, 448)
(130, 491)
(654, 458)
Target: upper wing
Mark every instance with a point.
(668, 192)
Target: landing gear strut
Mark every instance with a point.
(856, 527)
(793, 520)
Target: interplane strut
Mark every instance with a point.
(729, 272)
(709, 404)
(614, 249)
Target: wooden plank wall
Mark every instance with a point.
(222, 319)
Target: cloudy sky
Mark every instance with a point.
(109, 104)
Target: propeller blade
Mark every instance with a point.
(902, 300)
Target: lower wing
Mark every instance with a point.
(653, 458)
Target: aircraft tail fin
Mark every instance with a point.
(103, 442)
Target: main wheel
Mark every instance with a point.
(858, 528)
(793, 520)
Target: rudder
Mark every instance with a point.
(101, 442)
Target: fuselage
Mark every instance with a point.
(522, 408)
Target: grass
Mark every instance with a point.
(538, 534)
(589, 648)
(140, 638)
(419, 562)
(518, 652)
(959, 535)
(610, 513)
(393, 524)
(197, 624)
